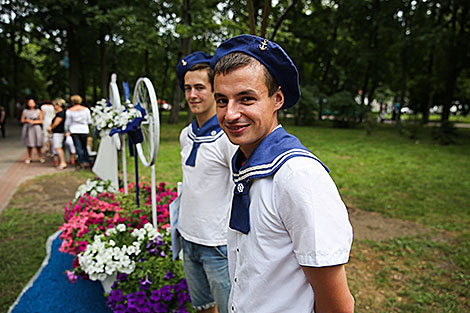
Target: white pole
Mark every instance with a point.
(154, 196)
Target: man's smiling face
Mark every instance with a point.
(245, 111)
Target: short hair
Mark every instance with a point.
(76, 99)
(207, 68)
(60, 102)
(235, 60)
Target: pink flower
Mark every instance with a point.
(71, 276)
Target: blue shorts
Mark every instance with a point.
(206, 271)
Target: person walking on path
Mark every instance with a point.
(77, 119)
(205, 200)
(32, 136)
(289, 232)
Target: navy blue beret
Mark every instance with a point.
(186, 63)
(271, 55)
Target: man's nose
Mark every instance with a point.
(233, 111)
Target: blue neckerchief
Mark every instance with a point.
(209, 132)
(265, 160)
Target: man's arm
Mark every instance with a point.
(331, 289)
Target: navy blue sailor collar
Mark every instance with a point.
(275, 149)
(209, 132)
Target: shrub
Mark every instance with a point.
(346, 111)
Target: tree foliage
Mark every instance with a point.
(412, 52)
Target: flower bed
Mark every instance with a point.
(109, 236)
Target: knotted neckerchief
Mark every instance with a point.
(265, 160)
(209, 132)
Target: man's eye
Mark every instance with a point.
(247, 99)
(221, 102)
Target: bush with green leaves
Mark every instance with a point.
(345, 110)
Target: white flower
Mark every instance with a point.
(94, 187)
(121, 227)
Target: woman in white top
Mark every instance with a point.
(77, 119)
(48, 114)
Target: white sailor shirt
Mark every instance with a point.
(297, 219)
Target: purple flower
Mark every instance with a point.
(140, 297)
(115, 296)
(166, 293)
(145, 284)
(160, 307)
(169, 275)
(162, 254)
(120, 308)
(156, 295)
(122, 276)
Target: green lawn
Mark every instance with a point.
(385, 172)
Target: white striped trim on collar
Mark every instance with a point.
(267, 168)
(209, 138)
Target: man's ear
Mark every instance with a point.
(278, 99)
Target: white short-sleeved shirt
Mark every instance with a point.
(207, 190)
(297, 218)
(76, 122)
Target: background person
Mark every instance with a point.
(31, 134)
(48, 114)
(77, 119)
(205, 200)
(289, 232)
(58, 132)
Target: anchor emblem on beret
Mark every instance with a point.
(184, 62)
(264, 45)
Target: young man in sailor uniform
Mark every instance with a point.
(206, 155)
(289, 234)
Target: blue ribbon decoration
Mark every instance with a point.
(264, 161)
(127, 97)
(133, 127)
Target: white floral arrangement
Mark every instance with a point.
(94, 187)
(115, 251)
(108, 117)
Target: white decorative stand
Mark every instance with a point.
(108, 282)
(144, 94)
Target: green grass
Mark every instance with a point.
(415, 180)
(23, 234)
(397, 177)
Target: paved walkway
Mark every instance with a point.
(13, 170)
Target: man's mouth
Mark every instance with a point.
(236, 128)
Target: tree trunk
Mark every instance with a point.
(74, 55)
(264, 21)
(251, 16)
(403, 84)
(175, 109)
(430, 100)
(282, 18)
(185, 49)
(146, 60)
(103, 66)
